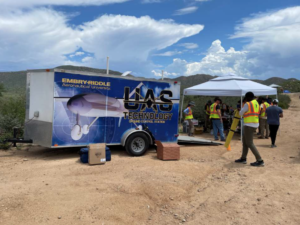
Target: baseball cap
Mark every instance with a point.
(192, 103)
(275, 101)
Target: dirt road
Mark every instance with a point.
(44, 186)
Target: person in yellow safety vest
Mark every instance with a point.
(189, 116)
(207, 114)
(250, 112)
(263, 119)
(216, 118)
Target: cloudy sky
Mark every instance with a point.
(257, 39)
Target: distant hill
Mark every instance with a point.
(16, 81)
(293, 85)
(189, 81)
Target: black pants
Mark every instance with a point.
(273, 132)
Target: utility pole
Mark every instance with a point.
(107, 66)
(162, 74)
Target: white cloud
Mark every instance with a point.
(87, 59)
(274, 46)
(189, 45)
(32, 3)
(157, 90)
(158, 73)
(276, 32)
(272, 49)
(40, 38)
(202, 0)
(186, 10)
(77, 54)
(217, 61)
(150, 1)
(128, 38)
(169, 53)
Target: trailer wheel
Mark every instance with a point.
(137, 144)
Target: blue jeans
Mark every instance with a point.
(218, 126)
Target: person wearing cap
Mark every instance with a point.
(216, 117)
(207, 113)
(250, 113)
(189, 116)
(274, 113)
(263, 119)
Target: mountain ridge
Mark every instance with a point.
(16, 81)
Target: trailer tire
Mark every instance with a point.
(137, 144)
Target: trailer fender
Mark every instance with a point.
(132, 131)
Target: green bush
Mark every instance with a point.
(4, 145)
(284, 101)
(12, 114)
(1, 89)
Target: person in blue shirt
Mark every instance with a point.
(274, 114)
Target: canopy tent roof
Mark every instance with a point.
(274, 86)
(231, 85)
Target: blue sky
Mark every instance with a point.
(256, 39)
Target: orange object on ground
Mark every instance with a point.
(168, 151)
(229, 148)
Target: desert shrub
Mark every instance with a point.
(12, 114)
(284, 101)
(1, 89)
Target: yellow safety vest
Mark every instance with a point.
(213, 111)
(189, 116)
(263, 111)
(252, 115)
(207, 110)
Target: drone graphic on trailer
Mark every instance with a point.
(99, 105)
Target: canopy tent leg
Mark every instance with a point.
(241, 119)
(181, 108)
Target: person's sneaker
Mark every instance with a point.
(258, 133)
(272, 146)
(258, 163)
(224, 140)
(244, 161)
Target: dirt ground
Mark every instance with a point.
(46, 186)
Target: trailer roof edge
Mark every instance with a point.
(101, 75)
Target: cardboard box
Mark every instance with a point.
(198, 130)
(168, 151)
(97, 154)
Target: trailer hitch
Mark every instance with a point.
(15, 140)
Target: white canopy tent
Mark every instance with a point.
(230, 85)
